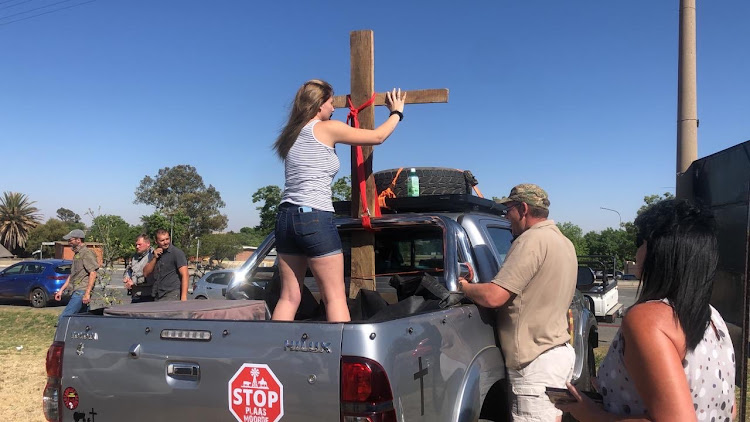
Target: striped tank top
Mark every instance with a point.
(309, 169)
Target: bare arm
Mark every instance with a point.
(184, 285)
(58, 295)
(488, 295)
(149, 268)
(332, 132)
(89, 287)
(654, 361)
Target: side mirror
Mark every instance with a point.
(585, 277)
(466, 271)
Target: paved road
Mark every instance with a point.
(627, 291)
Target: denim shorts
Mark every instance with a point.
(309, 233)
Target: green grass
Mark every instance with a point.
(33, 329)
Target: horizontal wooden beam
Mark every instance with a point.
(418, 96)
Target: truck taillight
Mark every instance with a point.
(365, 391)
(51, 399)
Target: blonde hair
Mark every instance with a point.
(310, 97)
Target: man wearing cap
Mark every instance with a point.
(534, 288)
(82, 275)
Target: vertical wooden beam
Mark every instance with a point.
(362, 73)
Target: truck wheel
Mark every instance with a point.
(201, 298)
(38, 298)
(432, 181)
(589, 369)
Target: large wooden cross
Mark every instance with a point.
(362, 58)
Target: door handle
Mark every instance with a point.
(184, 371)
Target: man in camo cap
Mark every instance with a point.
(534, 288)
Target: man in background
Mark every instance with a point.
(82, 275)
(139, 285)
(169, 269)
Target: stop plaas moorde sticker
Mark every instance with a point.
(255, 394)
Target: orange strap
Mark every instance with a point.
(353, 117)
(388, 192)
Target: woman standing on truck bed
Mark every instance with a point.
(672, 359)
(305, 232)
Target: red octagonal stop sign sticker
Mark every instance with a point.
(256, 395)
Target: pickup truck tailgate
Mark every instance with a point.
(124, 369)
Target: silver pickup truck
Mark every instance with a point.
(415, 350)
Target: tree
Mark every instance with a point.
(18, 216)
(271, 197)
(50, 231)
(342, 189)
(180, 191)
(653, 199)
(177, 225)
(611, 242)
(115, 234)
(249, 236)
(575, 235)
(221, 246)
(67, 216)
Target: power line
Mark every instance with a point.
(38, 8)
(44, 13)
(6, 1)
(14, 5)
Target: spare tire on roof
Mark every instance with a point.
(432, 181)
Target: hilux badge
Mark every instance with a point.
(84, 335)
(307, 346)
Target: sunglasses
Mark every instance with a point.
(505, 212)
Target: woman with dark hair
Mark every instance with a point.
(672, 358)
(305, 233)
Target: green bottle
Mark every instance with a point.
(412, 183)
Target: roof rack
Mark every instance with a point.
(428, 203)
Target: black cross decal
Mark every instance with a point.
(420, 374)
(93, 414)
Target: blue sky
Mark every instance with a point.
(576, 96)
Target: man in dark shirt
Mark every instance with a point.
(169, 266)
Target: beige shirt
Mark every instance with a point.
(540, 269)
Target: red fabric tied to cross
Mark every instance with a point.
(353, 117)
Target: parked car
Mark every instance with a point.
(35, 281)
(213, 284)
(599, 286)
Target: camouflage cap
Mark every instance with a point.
(528, 193)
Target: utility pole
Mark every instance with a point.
(687, 102)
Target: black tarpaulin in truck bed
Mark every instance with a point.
(238, 310)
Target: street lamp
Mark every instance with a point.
(618, 214)
(197, 249)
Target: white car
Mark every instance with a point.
(213, 284)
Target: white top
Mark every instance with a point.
(709, 370)
(309, 169)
